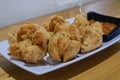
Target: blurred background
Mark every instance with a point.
(13, 11)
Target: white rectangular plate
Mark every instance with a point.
(48, 64)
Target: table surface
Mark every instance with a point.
(104, 65)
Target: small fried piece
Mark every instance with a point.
(72, 29)
(24, 50)
(55, 20)
(91, 37)
(16, 49)
(26, 31)
(81, 20)
(12, 37)
(49, 26)
(32, 54)
(62, 27)
(62, 48)
(40, 38)
(97, 27)
(75, 33)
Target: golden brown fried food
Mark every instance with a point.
(12, 37)
(97, 27)
(50, 34)
(61, 39)
(26, 31)
(32, 43)
(90, 34)
(71, 50)
(32, 54)
(55, 20)
(40, 38)
(70, 28)
(16, 49)
(74, 32)
(62, 48)
(91, 37)
(62, 27)
(49, 26)
(24, 50)
(81, 20)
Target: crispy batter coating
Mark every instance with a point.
(31, 48)
(91, 34)
(70, 28)
(32, 54)
(24, 50)
(26, 31)
(16, 49)
(97, 27)
(74, 32)
(49, 26)
(62, 48)
(55, 20)
(12, 37)
(81, 20)
(92, 37)
(40, 38)
(62, 27)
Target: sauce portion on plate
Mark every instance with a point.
(110, 31)
(107, 27)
